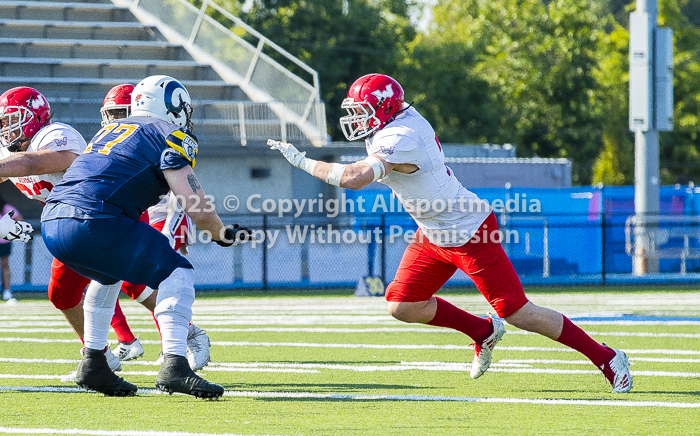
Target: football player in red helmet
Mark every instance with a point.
(456, 230)
(117, 104)
(373, 101)
(23, 111)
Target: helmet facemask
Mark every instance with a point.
(12, 121)
(116, 112)
(361, 120)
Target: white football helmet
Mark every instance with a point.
(162, 97)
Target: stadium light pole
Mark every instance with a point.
(650, 111)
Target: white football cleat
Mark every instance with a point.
(112, 360)
(129, 351)
(198, 342)
(617, 371)
(483, 351)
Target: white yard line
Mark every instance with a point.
(77, 431)
(369, 346)
(364, 397)
(429, 330)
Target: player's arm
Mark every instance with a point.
(352, 176)
(190, 194)
(23, 164)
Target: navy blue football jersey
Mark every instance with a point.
(121, 170)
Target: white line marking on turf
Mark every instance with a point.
(29, 430)
(351, 330)
(369, 346)
(363, 397)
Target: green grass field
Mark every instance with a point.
(305, 363)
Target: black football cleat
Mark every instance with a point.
(94, 374)
(176, 376)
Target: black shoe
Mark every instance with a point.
(176, 376)
(94, 374)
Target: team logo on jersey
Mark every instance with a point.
(388, 92)
(61, 142)
(387, 150)
(185, 144)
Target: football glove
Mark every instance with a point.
(234, 235)
(12, 230)
(290, 152)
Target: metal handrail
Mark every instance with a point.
(262, 78)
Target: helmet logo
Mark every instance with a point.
(36, 101)
(388, 92)
(138, 100)
(170, 92)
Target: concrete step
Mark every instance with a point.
(77, 87)
(89, 49)
(78, 1)
(67, 11)
(131, 69)
(11, 28)
(218, 133)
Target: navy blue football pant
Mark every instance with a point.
(108, 250)
(111, 249)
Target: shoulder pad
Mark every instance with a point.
(185, 143)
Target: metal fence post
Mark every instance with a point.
(382, 241)
(264, 259)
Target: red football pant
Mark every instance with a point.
(425, 267)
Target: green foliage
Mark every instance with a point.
(550, 76)
(342, 40)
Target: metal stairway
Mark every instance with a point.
(75, 51)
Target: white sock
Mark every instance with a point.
(99, 310)
(174, 310)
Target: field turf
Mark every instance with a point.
(305, 363)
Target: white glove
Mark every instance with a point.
(290, 152)
(14, 230)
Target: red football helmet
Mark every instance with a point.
(117, 103)
(22, 111)
(372, 102)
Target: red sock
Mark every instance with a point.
(121, 328)
(573, 337)
(450, 316)
(158, 327)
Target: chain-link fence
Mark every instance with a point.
(315, 251)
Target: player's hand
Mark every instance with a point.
(234, 235)
(12, 230)
(290, 152)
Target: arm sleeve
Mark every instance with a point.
(182, 150)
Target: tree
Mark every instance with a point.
(341, 39)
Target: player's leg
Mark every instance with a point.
(158, 266)
(421, 274)
(487, 264)
(66, 289)
(128, 347)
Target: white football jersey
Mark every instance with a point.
(55, 136)
(447, 213)
(170, 211)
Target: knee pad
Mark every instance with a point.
(176, 294)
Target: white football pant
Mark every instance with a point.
(174, 310)
(98, 308)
